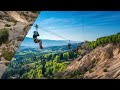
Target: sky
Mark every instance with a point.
(77, 25)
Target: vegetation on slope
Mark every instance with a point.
(87, 66)
(38, 65)
(4, 34)
(104, 40)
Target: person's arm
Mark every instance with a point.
(38, 34)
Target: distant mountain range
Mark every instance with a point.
(28, 42)
(47, 49)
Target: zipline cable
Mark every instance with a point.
(48, 31)
(83, 29)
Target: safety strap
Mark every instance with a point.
(36, 40)
(36, 27)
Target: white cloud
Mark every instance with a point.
(57, 20)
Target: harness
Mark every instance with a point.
(36, 40)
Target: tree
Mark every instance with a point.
(57, 58)
(61, 56)
(52, 57)
(113, 39)
(103, 40)
(71, 55)
(66, 56)
(38, 74)
(28, 75)
(49, 68)
(47, 56)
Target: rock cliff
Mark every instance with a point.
(101, 63)
(14, 26)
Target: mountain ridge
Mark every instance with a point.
(46, 42)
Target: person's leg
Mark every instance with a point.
(40, 44)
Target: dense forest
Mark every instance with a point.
(34, 65)
(104, 40)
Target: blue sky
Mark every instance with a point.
(69, 25)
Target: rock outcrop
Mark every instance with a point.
(17, 24)
(101, 63)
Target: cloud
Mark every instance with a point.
(92, 14)
(103, 18)
(51, 27)
(57, 20)
(56, 24)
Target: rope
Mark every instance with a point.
(48, 31)
(41, 28)
(83, 29)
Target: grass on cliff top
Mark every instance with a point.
(35, 11)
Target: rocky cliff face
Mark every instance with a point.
(17, 24)
(101, 63)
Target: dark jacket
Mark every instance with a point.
(35, 36)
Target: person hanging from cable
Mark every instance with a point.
(78, 46)
(35, 35)
(69, 46)
(77, 49)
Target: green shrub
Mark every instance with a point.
(105, 70)
(20, 38)
(1, 17)
(35, 11)
(6, 63)
(4, 34)
(90, 70)
(85, 69)
(7, 55)
(7, 25)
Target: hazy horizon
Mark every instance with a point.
(55, 39)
